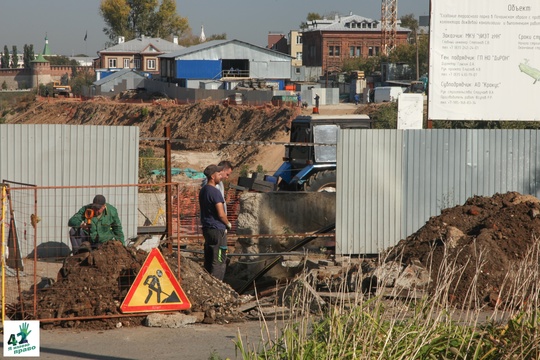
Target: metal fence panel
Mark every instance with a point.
(390, 182)
(69, 156)
(369, 174)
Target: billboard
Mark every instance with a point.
(484, 60)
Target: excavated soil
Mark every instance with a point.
(497, 231)
(487, 237)
(202, 127)
(96, 285)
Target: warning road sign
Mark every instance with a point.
(155, 288)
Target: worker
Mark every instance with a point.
(317, 100)
(225, 173)
(98, 222)
(214, 223)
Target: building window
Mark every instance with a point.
(370, 51)
(112, 62)
(298, 39)
(312, 51)
(297, 70)
(151, 64)
(330, 51)
(299, 55)
(337, 51)
(137, 63)
(376, 50)
(126, 63)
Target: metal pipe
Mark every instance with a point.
(251, 254)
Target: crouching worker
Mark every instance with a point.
(95, 224)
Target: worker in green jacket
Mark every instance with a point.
(99, 223)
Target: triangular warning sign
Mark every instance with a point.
(155, 288)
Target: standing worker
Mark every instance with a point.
(299, 99)
(214, 223)
(99, 222)
(225, 173)
(316, 108)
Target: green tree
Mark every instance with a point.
(192, 39)
(5, 58)
(310, 16)
(133, 18)
(28, 55)
(409, 21)
(81, 79)
(412, 54)
(367, 65)
(14, 58)
(61, 60)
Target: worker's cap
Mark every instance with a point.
(211, 170)
(98, 202)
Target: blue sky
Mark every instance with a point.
(66, 21)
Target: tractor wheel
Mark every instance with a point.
(322, 181)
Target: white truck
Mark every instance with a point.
(387, 93)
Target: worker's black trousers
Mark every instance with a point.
(215, 252)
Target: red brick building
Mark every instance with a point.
(327, 43)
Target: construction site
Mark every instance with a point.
(270, 242)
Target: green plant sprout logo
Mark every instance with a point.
(529, 70)
(23, 334)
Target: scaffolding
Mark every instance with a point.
(388, 25)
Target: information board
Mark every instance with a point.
(484, 60)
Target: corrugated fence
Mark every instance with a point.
(390, 182)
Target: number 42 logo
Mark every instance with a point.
(23, 334)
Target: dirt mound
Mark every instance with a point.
(486, 237)
(97, 285)
(202, 126)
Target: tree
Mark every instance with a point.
(28, 55)
(134, 18)
(14, 58)
(409, 21)
(192, 39)
(5, 58)
(61, 60)
(81, 79)
(367, 65)
(310, 17)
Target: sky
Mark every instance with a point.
(66, 22)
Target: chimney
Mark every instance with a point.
(175, 39)
(121, 39)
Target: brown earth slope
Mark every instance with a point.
(194, 123)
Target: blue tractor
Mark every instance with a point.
(312, 167)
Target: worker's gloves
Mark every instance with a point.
(229, 226)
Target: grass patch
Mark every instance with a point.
(429, 327)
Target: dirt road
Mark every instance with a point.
(191, 342)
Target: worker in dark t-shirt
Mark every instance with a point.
(214, 223)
